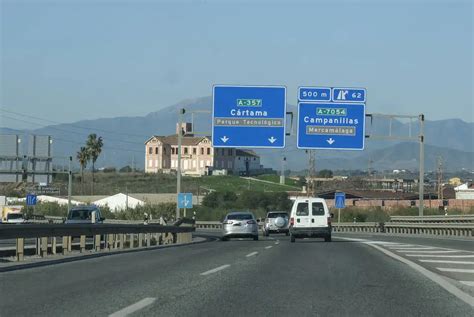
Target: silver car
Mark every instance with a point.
(239, 225)
(276, 222)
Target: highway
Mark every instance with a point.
(351, 276)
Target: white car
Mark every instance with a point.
(310, 218)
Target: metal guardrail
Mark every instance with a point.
(442, 229)
(105, 236)
(428, 228)
(357, 227)
(439, 219)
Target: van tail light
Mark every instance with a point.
(329, 221)
(292, 221)
(251, 222)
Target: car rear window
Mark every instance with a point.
(240, 217)
(318, 209)
(276, 215)
(80, 214)
(302, 209)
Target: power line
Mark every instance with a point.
(67, 131)
(73, 125)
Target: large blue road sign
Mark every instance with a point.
(31, 200)
(340, 200)
(185, 200)
(334, 126)
(249, 116)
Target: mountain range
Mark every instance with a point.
(124, 137)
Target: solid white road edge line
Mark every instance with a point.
(469, 283)
(217, 269)
(134, 307)
(447, 261)
(448, 269)
(252, 254)
(432, 276)
(433, 252)
(268, 247)
(440, 256)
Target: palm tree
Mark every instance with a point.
(94, 146)
(83, 157)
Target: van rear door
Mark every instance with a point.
(301, 215)
(318, 214)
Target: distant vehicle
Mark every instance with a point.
(12, 214)
(239, 225)
(276, 222)
(83, 215)
(310, 218)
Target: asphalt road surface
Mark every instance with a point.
(355, 275)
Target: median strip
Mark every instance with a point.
(217, 269)
(134, 307)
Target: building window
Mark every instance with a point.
(208, 151)
(202, 151)
(150, 163)
(194, 150)
(201, 164)
(150, 150)
(239, 158)
(164, 150)
(229, 152)
(208, 163)
(229, 164)
(254, 158)
(156, 150)
(185, 150)
(156, 163)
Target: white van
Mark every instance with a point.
(310, 218)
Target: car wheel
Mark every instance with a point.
(255, 238)
(292, 239)
(327, 239)
(225, 239)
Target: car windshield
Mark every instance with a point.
(240, 217)
(80, 214)
(276, 215)
(14, 216)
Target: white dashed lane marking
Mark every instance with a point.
(252, 254)
(217, 269)
(440, 256)
(268, 247)
(134, 307)
(449, 269)
(468, 283)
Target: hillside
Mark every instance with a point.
(124, 140)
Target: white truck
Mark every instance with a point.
(12, 214)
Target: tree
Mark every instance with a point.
(83, 157)
(94, 146)
(325, 174)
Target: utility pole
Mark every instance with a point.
(282, 174)
(178, 172)
(422, 165)
(69, 185)
(311, 171)
(440, 178)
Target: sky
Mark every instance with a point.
(78, 59)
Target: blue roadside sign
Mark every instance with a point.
(248, 116)
(31, 199)
(348, 95)
(185, 200)
(328, 124)
(340, 200)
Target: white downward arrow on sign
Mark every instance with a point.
(272, 140)
(224, 139)
(330, 140)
